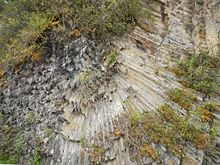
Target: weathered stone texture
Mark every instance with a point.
(78, 110)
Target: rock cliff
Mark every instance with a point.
(77, 106)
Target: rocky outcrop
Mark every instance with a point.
(72, 94)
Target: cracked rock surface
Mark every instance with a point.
(70, 93)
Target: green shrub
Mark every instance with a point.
(165, 127)
(104, 19)
(200, 2)
(185, 130)
(2, 5)
(10, 146)
(213, 132)
(84, 77)
(200, 72)
(111, 57)
(13, 19)
(182, 98)
(36, 157)
(23, 23)
(1, 116)
(88, 75)
(23, 44)
(206, 110)
(134, 118)
(29, 118)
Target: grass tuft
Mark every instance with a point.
(182, 98)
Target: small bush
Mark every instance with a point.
(36, 157)
(147, 149)
(111, 57)
(206, 110)
(134, 118)
(178, 71)
(159, 133)
(182, 98)
(200, 2)
(88, 76)
(13, 18)
(200, 72)
(26, 21)
(24, 44)
(102, 19)
(185, 130)
(168, 128)
(1, 116)
(10, 146)
(29, 118)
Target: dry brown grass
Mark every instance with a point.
(182, 98)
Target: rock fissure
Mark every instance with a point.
(80, 108)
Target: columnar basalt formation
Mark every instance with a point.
(72, 93)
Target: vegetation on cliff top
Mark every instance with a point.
(24, 24)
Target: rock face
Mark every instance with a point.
(71, 94)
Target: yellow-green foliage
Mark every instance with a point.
(96, 154)
(84, 142)
(178, 71)
(88, 75)
(183, 128)
(167, 128)
(23, 45)
(36, 157)
(200, 72)
(13, 17)
(99, 18)
(26, 22)
(182, 98)
(134, 118)
(160, 133)
(206, 110)
(10, 146)
(84, 77)
(111, 57)
(29, 118)
(1, 116)
(39, 20)
(200, 2)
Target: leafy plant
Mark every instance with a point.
(206, 110)
(134, 118)
(36, 157)
(185, 130)
(111, 57)
(29, 118)
(83, 142)
(182, 98)
(25, 23)
(13, 18)
(200, 2)
(24, 44)
(1, 116)
(200, 73)
(10, 146)
(213, 132)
